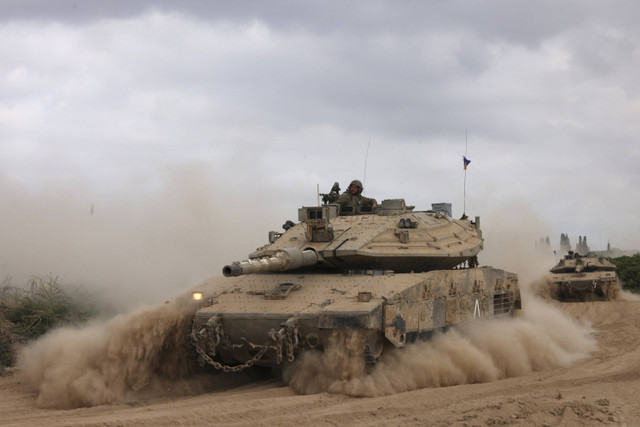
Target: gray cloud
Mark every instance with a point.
(263, 101)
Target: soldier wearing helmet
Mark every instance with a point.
(353, 197)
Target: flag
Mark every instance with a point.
(466, 162)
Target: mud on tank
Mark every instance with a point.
(393, 274)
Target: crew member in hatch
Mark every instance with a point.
(353, 197)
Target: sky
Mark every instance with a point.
(145, 144)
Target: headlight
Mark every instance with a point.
(197, 296)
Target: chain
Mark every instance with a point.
(227, 368)
(286, 337)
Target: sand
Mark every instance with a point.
(580, 372)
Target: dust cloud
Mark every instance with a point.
(143, 353)
(541, 338)
(628, 296)
(138, 244)
(510, 233)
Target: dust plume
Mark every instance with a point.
(142, 243)
(541, 338)
(628, 296)
(510, 233)
(128, 356)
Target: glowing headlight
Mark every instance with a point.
(197, 296)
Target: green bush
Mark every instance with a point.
(31, 312)
(628, 269)
(39, 309)
(6, 355)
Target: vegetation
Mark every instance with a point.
(30, 313)
(6, 355)
(565, 243)
(628, 269)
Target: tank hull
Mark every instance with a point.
(266, 319)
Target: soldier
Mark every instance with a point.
(353, 197)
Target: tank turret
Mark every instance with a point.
(393, 237)
(576, 263)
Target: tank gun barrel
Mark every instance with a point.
(284, 259)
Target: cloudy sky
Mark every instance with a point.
(150, 141)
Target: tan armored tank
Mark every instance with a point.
(583, 278)
(394, 275)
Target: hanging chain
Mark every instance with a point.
(210, 336)
(227, 368)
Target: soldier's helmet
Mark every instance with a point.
(358, 184)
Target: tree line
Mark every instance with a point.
(565, 244)
(628, 269)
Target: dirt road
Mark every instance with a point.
(601, 388)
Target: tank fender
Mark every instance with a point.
(348, 319)
(407, 320)
(517, 301)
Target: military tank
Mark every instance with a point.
(390, 273)
(583, 278)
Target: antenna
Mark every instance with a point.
(366, 156)
(466, 141)
(465, 161)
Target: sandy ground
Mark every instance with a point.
(602, 388)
